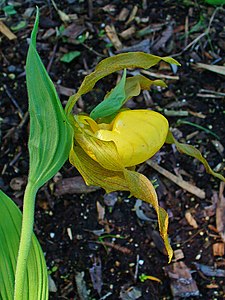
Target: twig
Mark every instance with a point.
(122, 249)
(92, 50)
(136, 268)
(52, 57)
(7, 32)
(157, 75)
(186, 31)
(180, 182)
(90, 8)
(211, 92)
(21, 124)
(20, 112)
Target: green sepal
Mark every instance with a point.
(125, 90)
(113, 102)
(193, 152)
(113, 64)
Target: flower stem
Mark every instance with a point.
(25, 239)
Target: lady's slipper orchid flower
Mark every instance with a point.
(105, 154)
(137, 134)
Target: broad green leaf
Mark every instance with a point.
(22, 24)
(68, 57)
(50, 137)
(215, 2)
(113, 102)
(193, 152)
(113, 64)
(36, 280)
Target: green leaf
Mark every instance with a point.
(68, 57)
(51, 135)
(22, 24)
(215, 2)
(113, 64)
(113, 102)
(193, 152)
(9, 10)
(10, 227)
(132, 88)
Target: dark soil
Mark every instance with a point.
(67, 226)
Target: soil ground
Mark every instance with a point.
(112, 251)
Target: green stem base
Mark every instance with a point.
(25, 239)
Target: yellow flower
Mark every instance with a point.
(106, 154)
(137, 134)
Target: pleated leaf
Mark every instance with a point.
(10, 227)
(50, 137)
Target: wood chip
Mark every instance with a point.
(191, 220)
(7, 32)
(166, 35)
(112, 35)
(182, 284)
(143, 46)
(81, 286)
(180, 182)
(212, 286)
(209, 271)
(212, 68)
(158, 241)
(218, 249)
(65, 91)
(220, 213)
(73, 185)
(123, 14)
(128, 33)
(132, 15)
(178, 254)
(219, 147)
(50, 32)
(73, 30)
(101, 212)
(18, 183)
(96, 275)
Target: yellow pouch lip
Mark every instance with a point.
(135, 145)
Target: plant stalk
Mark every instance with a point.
(25, 239)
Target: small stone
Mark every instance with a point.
(141, 262)
(198, 256)
(12, 76)
(117, 263)
(11, 68)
